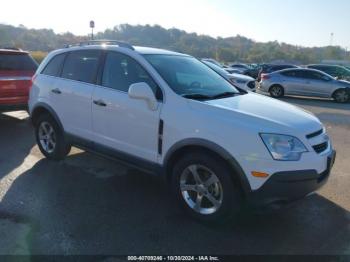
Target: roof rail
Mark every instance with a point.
(102, 42)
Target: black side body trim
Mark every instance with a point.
(116, 155)
(160, 136)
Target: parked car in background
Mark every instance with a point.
(269, 68)
(253, 70)
(16, 70)
(336, 71)
(242, 81)
(226, 68)
(305, 82)
(213, 61)
(240, 66)
(168, 114)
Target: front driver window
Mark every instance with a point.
(121, 71)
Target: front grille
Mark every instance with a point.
(251, 84)
(317, 133)
(320, 147)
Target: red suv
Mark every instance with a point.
(16, 70)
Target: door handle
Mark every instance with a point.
(56, 91)
(100, 102)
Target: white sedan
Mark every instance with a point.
(242, 81)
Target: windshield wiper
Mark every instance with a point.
(198, 96)
(224, 94)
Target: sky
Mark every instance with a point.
(298, 22)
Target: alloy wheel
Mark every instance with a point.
(341, 96)
(276, 91)
(47, 137)
(201, 189)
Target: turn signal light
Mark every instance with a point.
(259, 174)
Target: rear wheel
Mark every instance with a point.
(276, 91)
(50, 138)
(203, 187)
(341, 96)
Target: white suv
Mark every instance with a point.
(169, 114)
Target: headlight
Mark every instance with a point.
(283, 147)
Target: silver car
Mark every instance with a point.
(305, 82)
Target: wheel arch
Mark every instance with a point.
(43, 108)
(275, 84)
(191, 145)
(341, 88)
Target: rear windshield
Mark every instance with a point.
(17, 62)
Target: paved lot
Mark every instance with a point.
(89, 205)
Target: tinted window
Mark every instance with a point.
(280, 67)
(53, 68)
(17, 62)
(327, 69)
(300, 73)
(290, 73)
(81, 66)
(121, 71)
(313, 75)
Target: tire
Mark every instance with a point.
(276, 91)
(341, 96)
(220, 201)
(50, 138)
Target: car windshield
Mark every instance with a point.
(190, 78)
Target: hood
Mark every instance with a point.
(241, 77)
(268, 113)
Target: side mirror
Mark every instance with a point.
(144, 92)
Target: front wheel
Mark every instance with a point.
(50, 138)
(203, 187)
(341, 96)
(276, 91)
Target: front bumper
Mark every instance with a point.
(286, 187)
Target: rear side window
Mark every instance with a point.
(82, 66)
(54, 67)
(17, 62)
(301, 74)
(289, 73)
(121, 71)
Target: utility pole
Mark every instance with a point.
(92, 26)
(332, 37)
